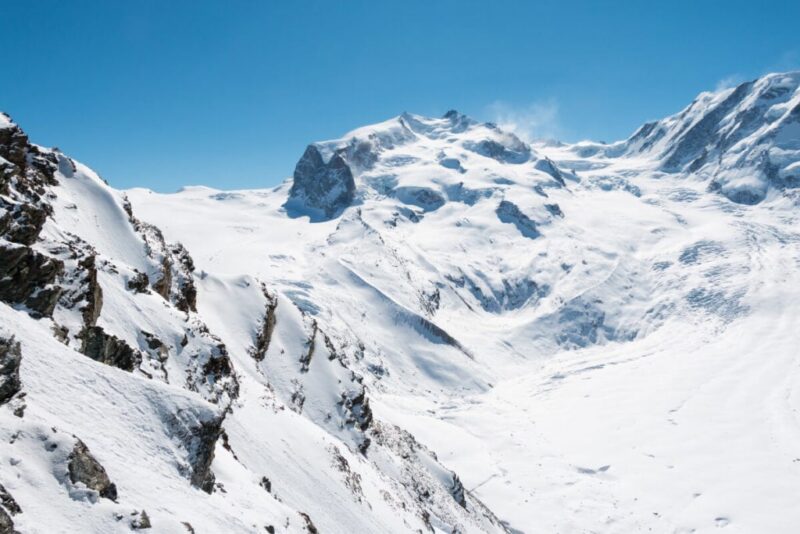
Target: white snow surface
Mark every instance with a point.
(591, 341)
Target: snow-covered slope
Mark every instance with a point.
(591, 336)
(130, 399)
(744, 141)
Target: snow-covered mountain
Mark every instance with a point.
(432, 326)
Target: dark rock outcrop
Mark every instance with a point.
(310, 528)
(509, 213)
(139, 283)
(108, 349)
(84, 468)
(93, 294)
(8, 502)
(163, 285)
(259, 350)
(28, 278)
(458, 492)
(10, 358)
(199, 439)
(141, 521)
(22, 223)
(186, 294)
(6, 523)
(325, 188)
(357, 406)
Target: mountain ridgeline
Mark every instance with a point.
(328, 355)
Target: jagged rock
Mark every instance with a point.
(186, 298)
(9, 502)
(140, 521)
(259, 350)
(22, 223)
(6, 523)
(93, 294)
(156, 346)
(310, 528)
(325, 187)
(139, 283)
(14, 146)
(163, 285)
(10, 358)
(305, 359)
(84, 468)
(199, 439)
(28, 277)
(357, 405)
(108, 349)
(266, 484)
(219, 370)
(458, 492)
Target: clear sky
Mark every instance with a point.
(161, 94)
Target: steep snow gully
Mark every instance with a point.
(433, 326)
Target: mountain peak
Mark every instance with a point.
(416, 160)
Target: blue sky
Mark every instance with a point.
(228, 93)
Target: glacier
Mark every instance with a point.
(433, 326)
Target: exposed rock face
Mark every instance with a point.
(93, 294)
(327, 188)
(23, 222)
(109, 349)
(743, 139)
(264, 336)
(9, 502)
(10, 358)
(84, 468)
(546, 165)
(310, 528)
(163, 285)
(139, 283)
(357, 404)
(218, 369)
(199, 439)
(28, 277)
(175, 282)
(509, 213)
(458, 492)
(6, 523)
(9, 508)
(691, 146)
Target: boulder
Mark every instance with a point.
(84, 468)
(10, 358)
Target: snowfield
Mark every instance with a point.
(432, 326)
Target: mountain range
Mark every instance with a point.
(432, 326)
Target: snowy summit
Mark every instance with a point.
(433, 326)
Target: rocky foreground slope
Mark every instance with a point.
(433, 326)
(126, 408)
